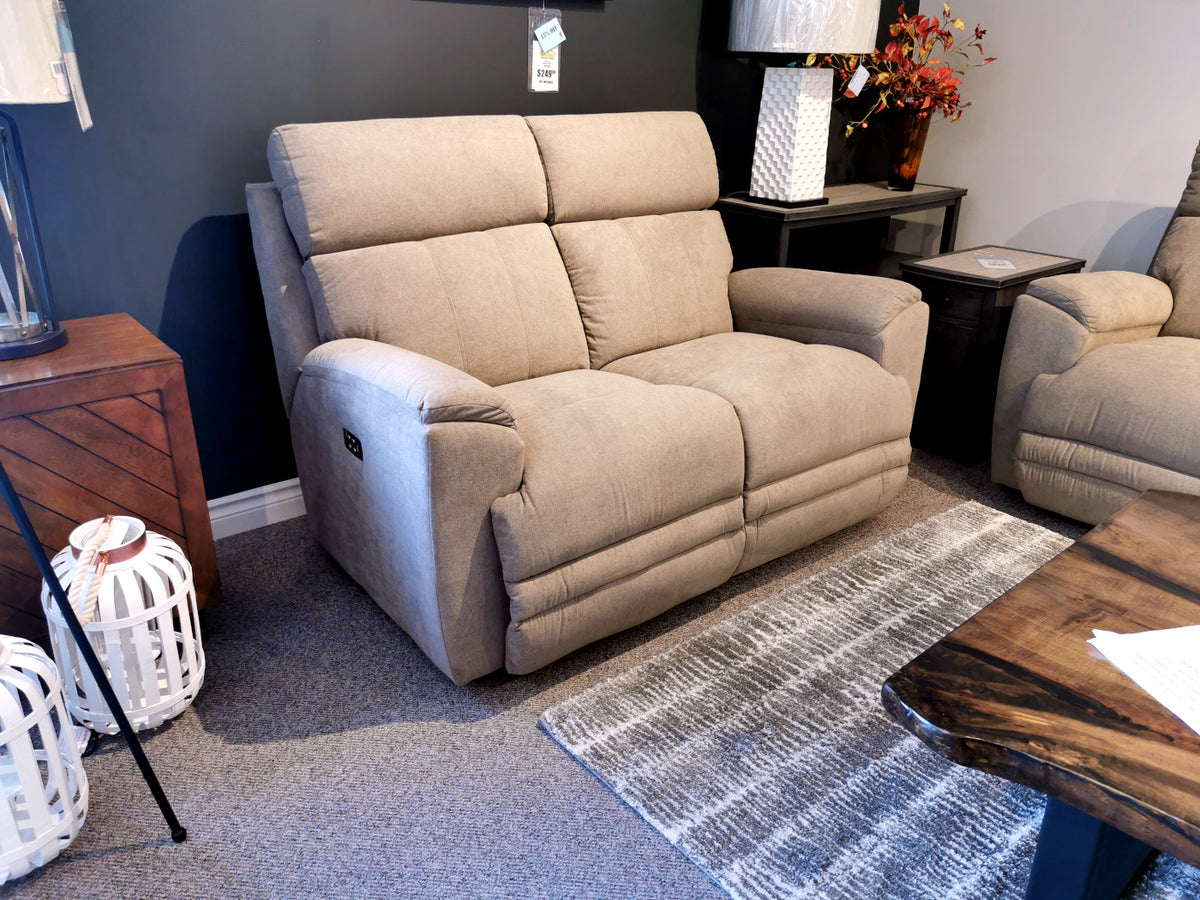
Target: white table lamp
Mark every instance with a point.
(793, 116)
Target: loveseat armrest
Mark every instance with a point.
(879, 317)
(417, 385)
(404, 502)
(1054, 324)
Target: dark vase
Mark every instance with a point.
(907, 143)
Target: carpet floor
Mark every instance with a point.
(326, 757)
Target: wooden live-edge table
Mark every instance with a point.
(761, 231)
(101, 425)
(1018, 692)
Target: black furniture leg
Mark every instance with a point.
(178, 832)
(1081, 858)
(781, 245)
(950, 226)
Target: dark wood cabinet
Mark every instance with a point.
(101, 425)
(970, 306)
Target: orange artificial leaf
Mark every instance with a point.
(959, 24)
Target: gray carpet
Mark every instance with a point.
(325, 757)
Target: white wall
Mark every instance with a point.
(1080, 136)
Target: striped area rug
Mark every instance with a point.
(761, 751)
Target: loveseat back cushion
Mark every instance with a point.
(353, 184)
(610, 166)
(1177, 262)
(649, 281)
(496, 304)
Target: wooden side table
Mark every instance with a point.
(101, 425)
(760, 232)
(970, 307)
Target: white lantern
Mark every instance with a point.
(133, 593)
(45, 788)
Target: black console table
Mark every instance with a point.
(760, 231)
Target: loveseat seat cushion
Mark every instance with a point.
(354, 184)
(610, 166)
(648, 281)
(1124, 416)
(621, 478)
(496, 304)
(825, 430)
(799, 406)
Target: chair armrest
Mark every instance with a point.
(410, 519)
(1053, 325)
(1107, 301)
(879, 317)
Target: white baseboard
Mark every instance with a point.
(255, 508)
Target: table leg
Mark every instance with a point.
(781, 245)
(1081, 858)
(950, 226)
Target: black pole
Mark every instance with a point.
(178, 832)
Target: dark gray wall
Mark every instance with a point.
(145, 213)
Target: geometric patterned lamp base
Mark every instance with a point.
(792, 139)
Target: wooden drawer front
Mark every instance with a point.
(949, 302)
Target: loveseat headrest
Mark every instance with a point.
(610, 166)
(347, 185)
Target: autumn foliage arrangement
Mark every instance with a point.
(919, 69)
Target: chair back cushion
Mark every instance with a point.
(1189, 203)
(649, 281)
(355, 184)
(1177, 260)
(616, 165)
(496, 304)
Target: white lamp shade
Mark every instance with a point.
(31, 57)
(803, 26)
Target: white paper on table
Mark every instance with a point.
(1165, 664)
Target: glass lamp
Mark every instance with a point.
(793, 116)
(27, 322)
(37, 65)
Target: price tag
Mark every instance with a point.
(545, 49)
(549, 35)
(858, 82)
(994, 261)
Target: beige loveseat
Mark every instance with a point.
(530, 406)
(1099, 393)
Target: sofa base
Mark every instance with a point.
(1086, 482)
(621, 604)
(775, 534)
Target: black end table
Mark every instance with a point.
(760, 231)
(970, 307)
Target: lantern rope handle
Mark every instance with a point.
(87, 557)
